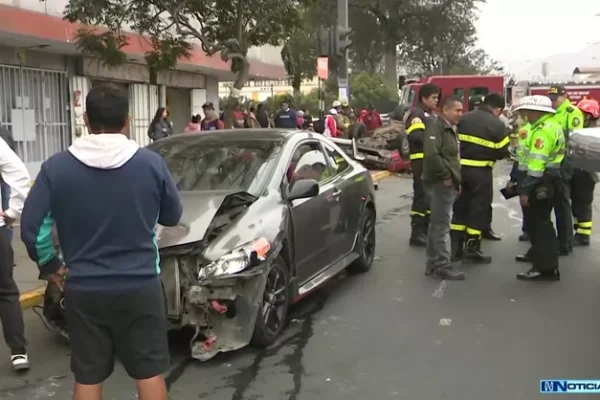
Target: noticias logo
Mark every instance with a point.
(569, 386)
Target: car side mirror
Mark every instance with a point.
(355, 154)
(303, 189)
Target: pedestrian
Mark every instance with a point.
(371, 118)
(483, 141)
(569, 117)
(194, 125)
(418, 119)
(160, 127)
(262, 116)
(308, 120)
(330, 124)
(441, 180)
(16, 177)
(540, 186)
(7, 136)
(584, 182)
(286, 118)
(106, 194)
(251, 121)
(211, 119)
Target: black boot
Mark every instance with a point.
(489, 234)
(581, 240)
(524, 258)
(418, 238)
(535, 275)
(449, 274)
(524, 237)
(473, 251)
(458, 244)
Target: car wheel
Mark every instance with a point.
(273, 310)
(366, 244)
(405, 147)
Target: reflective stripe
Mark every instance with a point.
(535, 174)
(414, 127)
(456, 227)
(553, 165)
(476, 163)
(538, 156)
(474, 232)
(428, 211)
(587, 232)
(483, 142)
(522, 167)
(585, 224)
(416, 156)
(420, 214)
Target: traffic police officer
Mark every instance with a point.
(519, 170)
(584, 182)
(488, 233)
(483, 141)
(569, 117)
(540, 185)
(418, 119)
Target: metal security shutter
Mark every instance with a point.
(34, 106)
(143, 103)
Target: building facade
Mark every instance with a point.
(44, 81)
(259, 90)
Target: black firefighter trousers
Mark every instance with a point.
(11, 314)
(471, 209)
(421, 202)
(582, 197)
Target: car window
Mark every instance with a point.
(337, 161)
(308, 162)
(478, 91)
(460, 93)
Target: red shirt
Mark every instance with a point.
(371, 119)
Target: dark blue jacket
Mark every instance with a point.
(105, 195)
(286, 119)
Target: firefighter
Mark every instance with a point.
(483, 141)
(584, 182)
(540, 185)
(488, 233)
(418, 118)
(569, 117)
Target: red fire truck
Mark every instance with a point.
(575, 90)
(463, 86)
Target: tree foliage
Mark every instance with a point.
(371, 88)
(229, 28)
(368, 48)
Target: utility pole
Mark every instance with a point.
(342, 45)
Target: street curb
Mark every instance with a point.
(32, 298)
(379, 175)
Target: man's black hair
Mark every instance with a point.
(107, 108)
(494, 100)
(449, 101)
(428, 90)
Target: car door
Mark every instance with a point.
(346, 186)
(311, 218)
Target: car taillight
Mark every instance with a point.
(396, 155)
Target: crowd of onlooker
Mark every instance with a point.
(337, 122)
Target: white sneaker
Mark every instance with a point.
(20, 362)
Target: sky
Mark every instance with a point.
(518, 31)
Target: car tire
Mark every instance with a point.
(264, 335)
(404, 146)
(366, 252)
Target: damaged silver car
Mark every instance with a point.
(268, 217)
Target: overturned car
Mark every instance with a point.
(268, 217)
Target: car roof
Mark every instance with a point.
(260, 133)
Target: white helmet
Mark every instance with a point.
(311, 158)
(535, 103)
(336, 103)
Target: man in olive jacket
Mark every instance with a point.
(441, 179)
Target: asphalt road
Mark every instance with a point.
(389, 334)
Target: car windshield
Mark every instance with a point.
(231, 164)
(408, 95)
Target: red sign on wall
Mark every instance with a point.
(323, 68)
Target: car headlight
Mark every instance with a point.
(237, 260)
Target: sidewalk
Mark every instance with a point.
(26, 273)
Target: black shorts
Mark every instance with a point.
(130, 326)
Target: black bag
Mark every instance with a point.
(319, 125)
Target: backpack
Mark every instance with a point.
(319, 125)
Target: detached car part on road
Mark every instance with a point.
(269, 216)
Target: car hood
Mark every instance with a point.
(199, 210)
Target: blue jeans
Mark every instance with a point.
(5, 198)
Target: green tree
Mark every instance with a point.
(371, 88)
(229, 28)
(367, 50)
